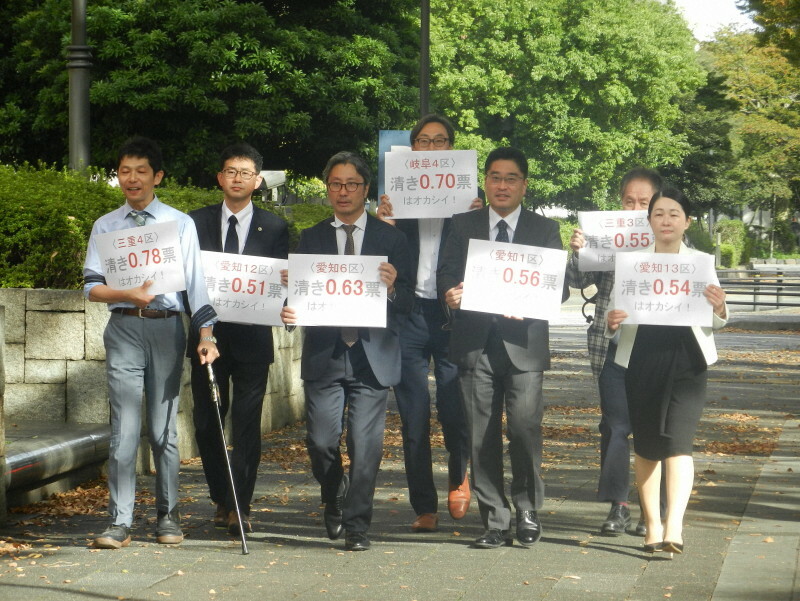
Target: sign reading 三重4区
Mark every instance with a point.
(337, 290)
(426, 184)
(664, 289)
(245, 289)
(132, 256)
(514, 279)
(608, 233)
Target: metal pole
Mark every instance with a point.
(79, 62)
(425, 58)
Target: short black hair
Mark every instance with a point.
(674, 194)
(506, 153)
(348, 158)
(433, 118)
(143, 148)
(651, 175)
(241, 150)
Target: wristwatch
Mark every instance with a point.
(209, 339)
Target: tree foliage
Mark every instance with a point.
(780, 22)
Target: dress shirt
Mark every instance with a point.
(430, 238)
(244, 217)
(358, 233)
(511, 221)
(197, 293)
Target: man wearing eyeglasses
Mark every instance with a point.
(501, 358)
(352, 367)
(236, 226)
(424, 338)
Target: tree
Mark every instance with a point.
(780, 20)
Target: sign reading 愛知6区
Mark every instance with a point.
(608, 233)
(664, 288)
(426, 184)
(132, 256)
(245, 289)
(337, 290)
(514, 279)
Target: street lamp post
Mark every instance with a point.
(79, 62)
(425, 58)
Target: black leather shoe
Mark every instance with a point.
(356, 541)
(529, 528)
(168, 528)
(493, 538)
(332, 515)
(641, 529)
(617, 521)
(115, 536)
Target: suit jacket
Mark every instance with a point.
(268, 237)
(381, 345)
(527, 342)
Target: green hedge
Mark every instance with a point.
(734, 233)
(698, 236)
(729, 256)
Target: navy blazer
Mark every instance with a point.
(527, 342)
(268, 237)
(381, 345)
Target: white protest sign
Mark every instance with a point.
(337, 290)
(426, 184)
(514, 279)
(611, 232)
(130, 257)
(664, 289)
(245, 289)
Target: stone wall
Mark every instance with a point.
(55, 367)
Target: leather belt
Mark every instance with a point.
(146, 313)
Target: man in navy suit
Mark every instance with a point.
(501, 358)
(352, 367)
(246, 350)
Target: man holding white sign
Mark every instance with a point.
(350, 367)
(501, 359)
(145, 342)
(238, 229)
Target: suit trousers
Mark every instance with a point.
(143, 356)
(347, 383)
(615, 431)
(493, 383)
(421, 340)
(249, 385)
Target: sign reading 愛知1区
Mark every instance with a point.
(337, 290)
(245, 289)
(664, 288)
(513, 279)
(152, 252)
(427, 184)
(608, 233)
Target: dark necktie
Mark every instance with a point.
(232, 238)
(350, 334)
(502, 231)
(140, 217)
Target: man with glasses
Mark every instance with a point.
(501, 358)
(424, 338)
(236, 226)
(351, 367)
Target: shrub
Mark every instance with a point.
(729, 256)
(565, 227)
(699, 238)
(733, 232)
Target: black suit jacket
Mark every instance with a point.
(381, 345)
(268, 237)
(527, 342)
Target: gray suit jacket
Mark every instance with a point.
(526, 342)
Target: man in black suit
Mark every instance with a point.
(246, 350)
(501, 358)
(352, 367)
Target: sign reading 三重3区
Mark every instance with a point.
(608, 233)
(337, 290)
(664, 289)
(426, 184)
(245, 289)
(132, 256)
(514, 279)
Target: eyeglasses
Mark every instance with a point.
(510, 180)
(231, 173)
(437, 142)
(349, 186)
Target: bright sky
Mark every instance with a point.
(705, 17)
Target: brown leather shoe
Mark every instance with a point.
(426, 522)
(458, 499)
(233, 524)
(221, 516)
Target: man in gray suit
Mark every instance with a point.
(352, 367)
(501, 358)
